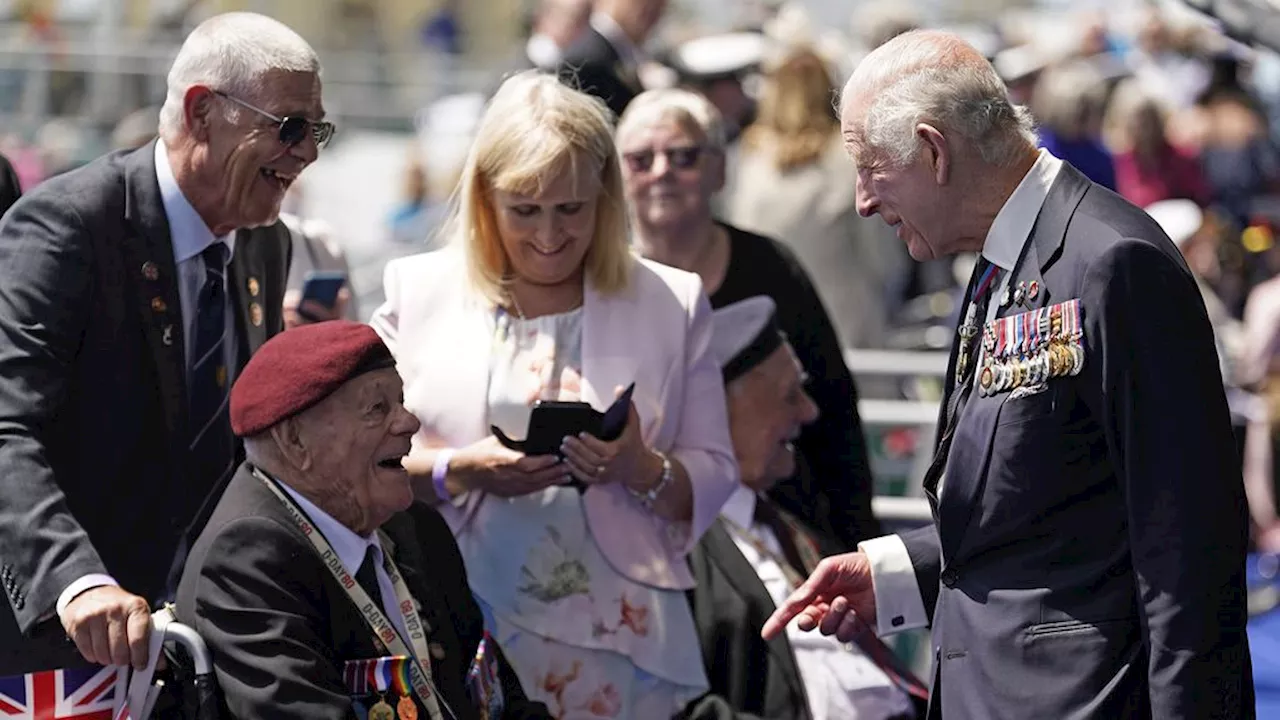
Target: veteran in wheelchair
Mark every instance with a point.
(321, 589)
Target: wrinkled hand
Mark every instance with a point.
(312, 311)
(110, 626)
(627, 460)
(834, 599)
(489, 467)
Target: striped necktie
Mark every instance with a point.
(211, 445)
(967, 338)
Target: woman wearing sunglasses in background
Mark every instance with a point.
(672, 146)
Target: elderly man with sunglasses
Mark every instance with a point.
(132, 291)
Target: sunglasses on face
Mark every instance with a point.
(292, 130)
(680, 158)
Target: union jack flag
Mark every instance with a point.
(92, 693)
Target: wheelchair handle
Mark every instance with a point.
(194, 644)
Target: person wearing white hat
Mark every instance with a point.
(719, 66)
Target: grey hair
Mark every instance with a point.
(935, 77)
(231, 52)
(680, 105)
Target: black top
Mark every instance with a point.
(832, 488)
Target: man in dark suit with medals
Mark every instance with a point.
(605, 59)
(318, 584)
(133, 290)
(756, 553)
(1086, 558)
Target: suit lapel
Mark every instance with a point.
(246, 279)
(746, 582)
(148, 255)
(956, 507)
(606, 364)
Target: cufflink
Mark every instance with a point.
(897, 621)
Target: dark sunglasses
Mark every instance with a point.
(680, 158)
(293, 130)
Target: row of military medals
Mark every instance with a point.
(1031, 347)
(373, 677)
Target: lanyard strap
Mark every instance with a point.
(794, 579)
(386, 634)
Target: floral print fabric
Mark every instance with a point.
(582, 638)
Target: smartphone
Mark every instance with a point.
(323, 286)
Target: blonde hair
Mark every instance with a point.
(796, 118)
(689, 110)
(535, 128)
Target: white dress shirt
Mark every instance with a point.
(840, 682)
(899, 605)
(190, 236)
(351, 549)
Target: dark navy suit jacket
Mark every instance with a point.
(1087, 559)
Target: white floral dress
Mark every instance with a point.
(583, 638)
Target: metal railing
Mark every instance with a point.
(922, 415)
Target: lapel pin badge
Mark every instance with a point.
(150, 271)
(166, 335)
(254, 286)
(255, 314)
(1020, 295)
(158, 305)
(1033, 290)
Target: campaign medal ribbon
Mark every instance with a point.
(969, 329)
(381, 670)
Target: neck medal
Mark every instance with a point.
(381, 711)
(406, 709)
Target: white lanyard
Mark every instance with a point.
(419, 675)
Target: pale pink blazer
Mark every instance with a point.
(656, 333)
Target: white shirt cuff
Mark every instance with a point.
(88, 582)
(899, 605)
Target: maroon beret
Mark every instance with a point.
(300, 367)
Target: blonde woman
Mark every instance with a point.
(538, 297)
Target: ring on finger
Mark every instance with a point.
(599, 470)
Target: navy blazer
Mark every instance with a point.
(1087, 559)
(94, 470)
